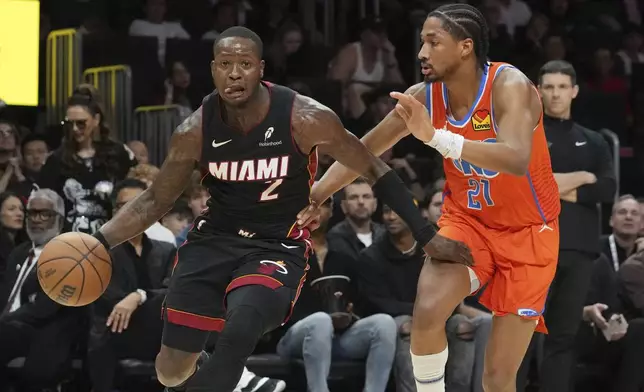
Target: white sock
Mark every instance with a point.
(429, 371)
(245, 378)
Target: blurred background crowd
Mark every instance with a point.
(143, 65)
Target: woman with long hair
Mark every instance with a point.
(12, 218)
(88, 163)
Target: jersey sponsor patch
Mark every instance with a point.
(481, 120)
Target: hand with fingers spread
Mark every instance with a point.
(447, 250)
(119, 319)
(415, 115)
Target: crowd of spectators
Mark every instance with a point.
(51, 184)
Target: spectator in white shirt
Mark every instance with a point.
(155, 25)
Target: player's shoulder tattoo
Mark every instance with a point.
(191, 122)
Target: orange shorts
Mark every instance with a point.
(517, 265)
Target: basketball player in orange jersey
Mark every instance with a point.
(501, 198)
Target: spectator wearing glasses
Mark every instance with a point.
(32, 325)
(87, 165)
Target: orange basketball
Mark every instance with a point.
(74, 269)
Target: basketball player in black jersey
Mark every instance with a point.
(240, 271)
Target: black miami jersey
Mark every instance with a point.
(258, 180)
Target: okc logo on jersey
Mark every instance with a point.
(469, 169)
(481, 120)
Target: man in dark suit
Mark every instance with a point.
(32, 325)
(125, 321)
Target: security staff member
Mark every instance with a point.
(582, 165)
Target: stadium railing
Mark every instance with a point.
(114, 82)
(153, 125)
(63, 71)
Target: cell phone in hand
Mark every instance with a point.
(617, 325)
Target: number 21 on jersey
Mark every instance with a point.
(479, 194)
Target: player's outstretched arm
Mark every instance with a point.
(317, 126)
(517, 110)
(174, 176)
(381, 138)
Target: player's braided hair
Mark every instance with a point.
(465, 21)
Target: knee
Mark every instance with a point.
(174, 366)
(245, 325)
(498, 378)
(429, 314)
(319, 326)
(383, 327)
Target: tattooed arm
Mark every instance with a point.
(174, 176)
(315, 125)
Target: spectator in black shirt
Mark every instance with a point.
(34, 155)
(387, 275)
(87, 165)
(126, 318)
(12, 177)
(626, 221)
(622, 355)
(357, 230)
(320, 331)
(12, 216)
(583, 169)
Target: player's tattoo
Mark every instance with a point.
(173, 178)
(315, 125)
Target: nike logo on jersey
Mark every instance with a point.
(579, 144)
(215, 144)
(289, 247)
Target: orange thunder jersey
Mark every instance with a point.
(498, 200)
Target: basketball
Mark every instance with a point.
(74, 269)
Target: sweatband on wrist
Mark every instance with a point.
(448, 144)
(101, 238)
(393, 192)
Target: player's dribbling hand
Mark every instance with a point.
(444, 249)
(415, 115)
(119, 319)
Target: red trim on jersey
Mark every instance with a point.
(196, 321)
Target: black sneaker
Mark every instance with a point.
(203, 357)
(264, 384)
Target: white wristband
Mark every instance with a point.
(448, 144)
(144, 296)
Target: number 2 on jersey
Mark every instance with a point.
(479, 192)
(270, 192)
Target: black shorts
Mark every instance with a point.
(209, 266)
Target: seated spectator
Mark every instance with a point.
(178, 218)
(433, 206)
(632, 51)
(147, 173)
(622, 354)
(224, 16)
(140, 151)
(155, 25)
(178, 90)
(198, 197)
(361, 65)
(34, 155)
(378, 105)
(501, 35)
(403, 168)
(88, 163)
(626, 221)
(12, 217)
(125, 319)
(388, 274)
(323, 326)
(12, 177)
(32, 325)
(290, 56)
(357, 231)
(606, 75)
(514, 13)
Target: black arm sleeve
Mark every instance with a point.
(393, 192)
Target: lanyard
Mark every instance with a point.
(613, 251)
